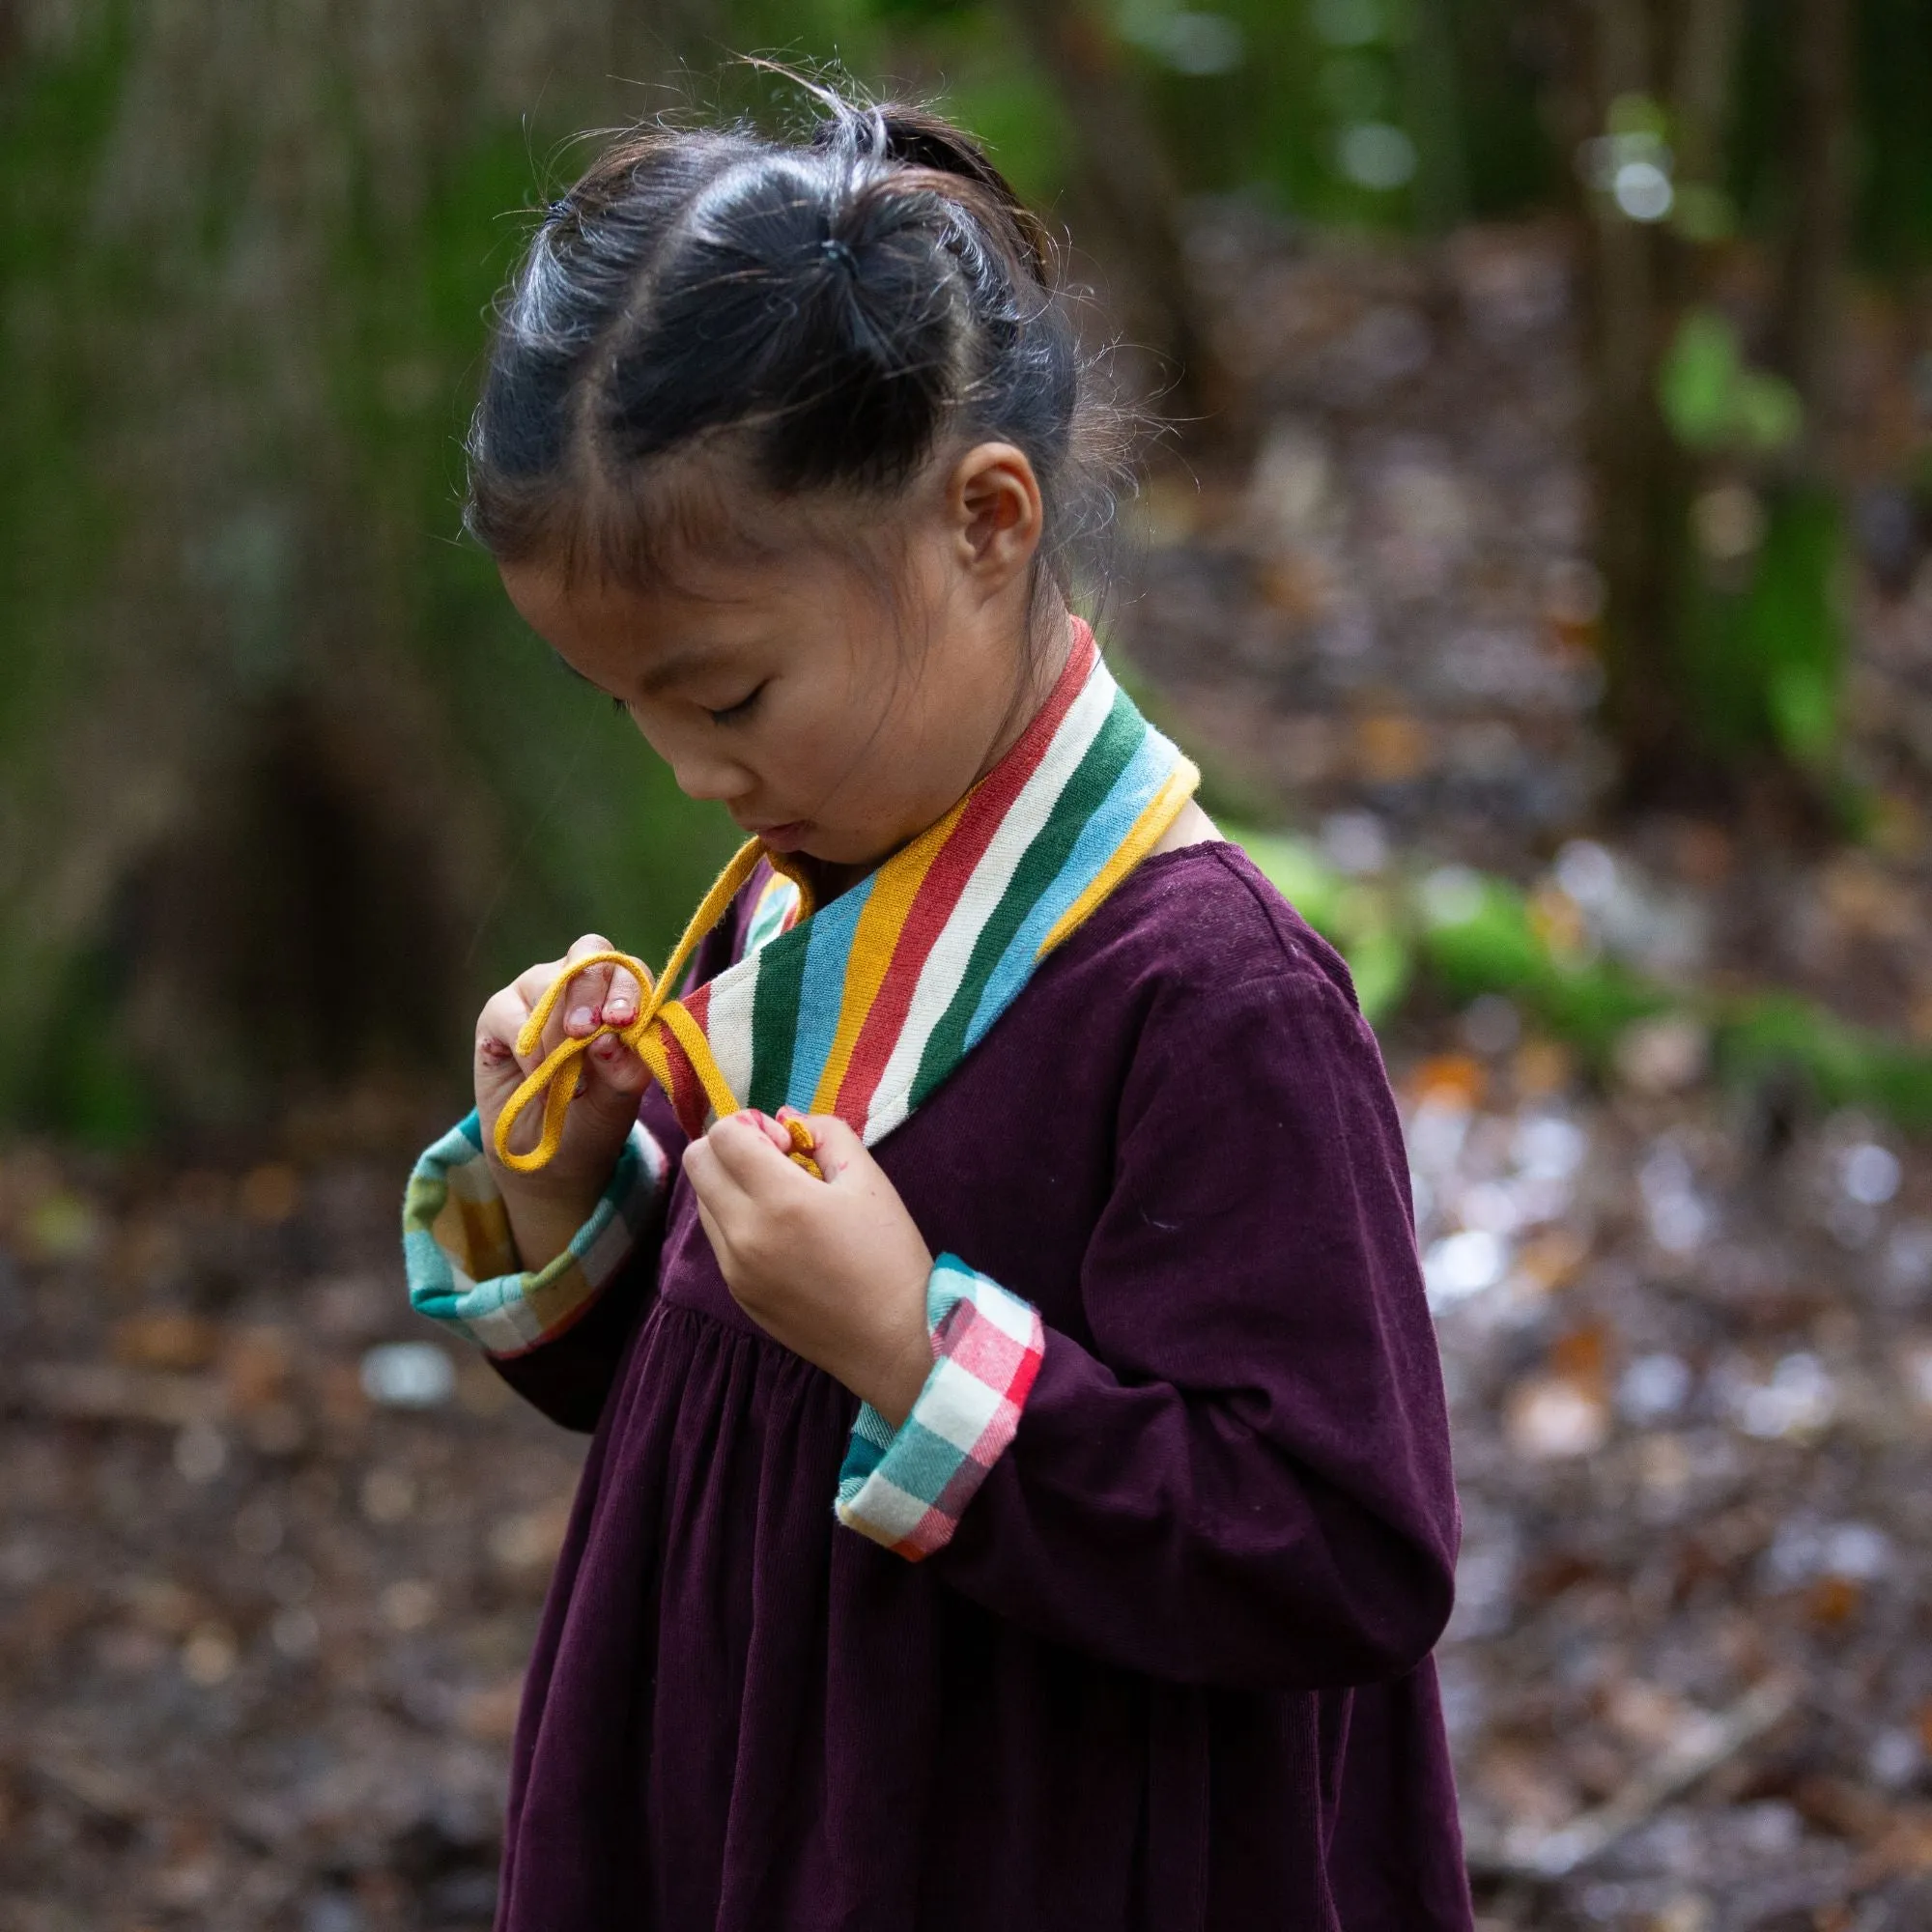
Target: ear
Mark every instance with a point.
(993, 503)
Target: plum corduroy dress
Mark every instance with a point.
(1140, 1644)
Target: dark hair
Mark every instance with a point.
(818, 316)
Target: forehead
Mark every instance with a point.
(627, 638)
(799, 564)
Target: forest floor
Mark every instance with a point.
(271, 1552)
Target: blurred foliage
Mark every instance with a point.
(1715, 402)
(1765, 649)
(1465, 934)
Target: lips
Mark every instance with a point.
(785, 837)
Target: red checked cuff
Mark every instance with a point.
(907, 1487)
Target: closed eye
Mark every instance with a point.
(733, 712)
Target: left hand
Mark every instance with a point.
(835, 1269)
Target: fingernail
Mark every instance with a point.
(580, 1017)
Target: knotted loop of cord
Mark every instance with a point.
(658, 1015)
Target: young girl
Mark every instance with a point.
(1019, 1491)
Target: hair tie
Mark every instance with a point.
(557, 210)
(834, 250)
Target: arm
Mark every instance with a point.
(1241, 1475)
(553, 1333)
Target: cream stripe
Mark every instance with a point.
(728, 1023)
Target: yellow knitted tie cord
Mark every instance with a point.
(656, 1015)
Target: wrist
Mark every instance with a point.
(544, 1210)
(902, 1378)
(903, 1364)
(543, 1225)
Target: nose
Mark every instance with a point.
(705, 775)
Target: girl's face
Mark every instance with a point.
(793, 692)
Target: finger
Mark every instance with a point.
(616, 1069)
(583, 1005)
(743, 1146)
(713, 1185)
(498, 1075)
(772, 1130)
(502, 1019)
(622, 998)
(720, 1246)
(836, 1147)
(574, 1013)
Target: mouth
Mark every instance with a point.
(785, 837)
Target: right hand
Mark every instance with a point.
(548, 1207)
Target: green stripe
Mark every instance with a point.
(1107, 758)
(775, 1016)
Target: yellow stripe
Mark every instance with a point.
(873, 944)
(475, 1235)
(1142, 836)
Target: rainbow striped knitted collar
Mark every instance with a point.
(862, 1006)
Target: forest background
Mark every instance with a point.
(1537, 553)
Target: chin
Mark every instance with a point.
(829, 848)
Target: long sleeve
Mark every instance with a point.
(1241, 1475)
(553, 1333)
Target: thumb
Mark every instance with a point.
(836, 1147)
(614, 1076)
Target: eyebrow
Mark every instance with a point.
(678, 665)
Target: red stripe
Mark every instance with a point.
(687, 1098)
(939, 891)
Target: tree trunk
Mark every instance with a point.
(1640, 486)
(1685, 661)
(1813, 269)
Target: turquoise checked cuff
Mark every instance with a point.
(461, 1262)
(907, 1488)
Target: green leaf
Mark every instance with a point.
(1638, 114)
(1801, 711)
(1699, 380)
(1792, 623)
(1769, 413)
(1494, 948)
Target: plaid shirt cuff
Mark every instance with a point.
(461, 1262)
(907, 1487)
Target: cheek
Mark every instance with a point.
(848, 736)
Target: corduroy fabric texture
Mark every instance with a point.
(1173, 1662)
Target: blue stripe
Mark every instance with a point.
(1099, 840)
(774, 902)
(831, 929)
